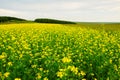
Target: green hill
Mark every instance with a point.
(6, 19)
(45, 20)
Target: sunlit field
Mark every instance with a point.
(59, 52)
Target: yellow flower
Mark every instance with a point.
(2, 56)
(31, 54)
(17, 79)
(21, 55)
(13, 38)
(90, 64)
(84, 79)
(41, 69)
(6, 74)
(4, 40)
(37, 54)
(38, 76)
(92, 74)
(83, 73)
(95, 79)
(107, 78)
(60, 74)
(10, 63)
(9, 47)
(45, 78)
(34, 66)
(62, 70)
(115, 67)
(79, 74)
(26, 46)
(65, 59)
(73, 69)
(110, 61)
(0, 74)
(30, 61)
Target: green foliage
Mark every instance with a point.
(53, 21)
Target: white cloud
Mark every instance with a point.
(116, 8)
(5, 11)
(72, 5)
(52, 6)
(78, 10)
(108, 8)
(115, 0)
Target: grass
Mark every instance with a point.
(59, 52)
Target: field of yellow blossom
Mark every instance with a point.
(59, 52)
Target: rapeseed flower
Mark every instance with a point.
(73, 69)
(6, 74)
(0, 74)
(38, 76)
(13, 38)
(83, 73)
(95, 79)
(34, 66)
(92, 74)
(60, 74)
(41, 69)
(66, 60)
(10, 63)
(17, 79)
(45, 78)
(110, 61)
(2, 56)
(21, 55)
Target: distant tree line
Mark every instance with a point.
(53, 21)
(8, 19)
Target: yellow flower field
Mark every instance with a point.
(58, 52)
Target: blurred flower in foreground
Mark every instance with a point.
(60, 74)
(17, 79)
(65, 59)
(2, 56)
(6, 74)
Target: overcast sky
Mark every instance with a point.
(73, 10)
